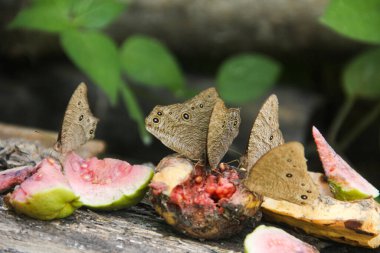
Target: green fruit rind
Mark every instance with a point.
(127, 200)
(344, 193)
(48, 205)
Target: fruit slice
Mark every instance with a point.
(265, 239)
(108, 184)
(345, 182)
(46, 195)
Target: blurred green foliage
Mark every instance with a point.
(96, 55)
(358, 20)
(143, 59)
(61, 15)
(361, 77)
(148, 61)
(246, 77)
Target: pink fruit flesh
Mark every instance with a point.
(338, 170)
(203, 190)
(274, 240)
(48, 173)
(15, 176)
(100, 181)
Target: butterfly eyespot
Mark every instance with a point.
(156, 120)
(201, 105)
(186, 116)
(170, 113)
(80, 117)
(192, 108)
(159, 113)
(235, 123)
(289, 175)
(303, 197)
(308, 191)
(271, 137)
(91, 131)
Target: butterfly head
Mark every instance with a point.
(155, 120)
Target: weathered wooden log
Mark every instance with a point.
(47, 138)
(134, 230)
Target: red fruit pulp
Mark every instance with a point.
(205, 189)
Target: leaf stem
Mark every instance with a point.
(135, 112)
(357, 129)
(339, 119)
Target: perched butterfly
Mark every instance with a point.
(265, 133)
(199, 127)
(78, 125)
(282, 174)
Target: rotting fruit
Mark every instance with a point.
(199, 202)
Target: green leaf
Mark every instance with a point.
(60, 15)
(96, 55)
(356, 19)
(135, 113)
(361, 78)
(96, 13)
(246, 77)
(148, 61)
(45, 15)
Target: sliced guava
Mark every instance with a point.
(108, 184)
(266, 239)
(344, 181)
(46, 195)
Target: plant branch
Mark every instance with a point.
(339, 119)
(135, 112)
(360, 127)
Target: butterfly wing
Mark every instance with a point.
(282, 174)
(79, 124)
(183, 127)
(223, 129)
(265, 133)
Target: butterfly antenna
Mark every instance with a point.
(234, 151)
(233, 161)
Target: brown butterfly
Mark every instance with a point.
(223, 129)
(265, 133)
(282, 174)
(183, 127)
(198, 126)
(78, 125)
